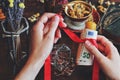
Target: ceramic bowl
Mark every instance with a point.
(78, 10)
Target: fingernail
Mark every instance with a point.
(87, 43)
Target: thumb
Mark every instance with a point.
(93, 50)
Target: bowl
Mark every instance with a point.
(78, 10)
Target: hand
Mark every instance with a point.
(107, 56)
(44, 34)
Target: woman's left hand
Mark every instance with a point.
(44, 34)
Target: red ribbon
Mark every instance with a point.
(95, 75)
(47, 69)
(75, 38)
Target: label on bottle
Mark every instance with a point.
(83, 55)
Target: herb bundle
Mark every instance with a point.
(13, 10)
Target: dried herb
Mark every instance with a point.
(14, 12)
(62, 61)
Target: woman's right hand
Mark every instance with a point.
(107, 56)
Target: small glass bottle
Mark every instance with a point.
(84, 57)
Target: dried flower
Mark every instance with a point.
(14, 12)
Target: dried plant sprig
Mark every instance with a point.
(14, 12)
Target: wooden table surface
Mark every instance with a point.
(80, 72)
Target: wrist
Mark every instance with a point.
(31, 68)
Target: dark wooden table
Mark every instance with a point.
(80, 72)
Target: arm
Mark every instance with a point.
(44, 34)
(110, 63)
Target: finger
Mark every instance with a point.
(93, 50)
(46, 28)
(101, 47)
(53, 25)
(38, 27)
(57, 35)
(55, 40)
(62, 24)
(61, 18)
(44, 18)
(104, 41)
(109, 47)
